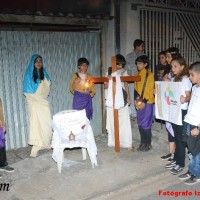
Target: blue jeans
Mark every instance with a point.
(194, 166)
(186, 132)
(187, 128)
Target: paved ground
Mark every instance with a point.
(119, 176)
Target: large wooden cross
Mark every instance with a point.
(123, 79)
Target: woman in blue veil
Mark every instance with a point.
(36, 88)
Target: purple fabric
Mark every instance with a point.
(83, 101)
(169, 128)
(145, 116)
(2, 138)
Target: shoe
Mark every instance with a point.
(166, 156)
(133, 118)
(170, 159)
(190, 156)
(176, 169)
(146, 147)
(140, 147)
(171, 165)
(34, 151)
(192, 180)
(150, 146)
(185, 176)
(33, 155)
(7, 168)
(131, 149)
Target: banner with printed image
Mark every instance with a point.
(167, 101)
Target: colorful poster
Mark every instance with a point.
(167, 101)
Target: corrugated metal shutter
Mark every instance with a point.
(60, 52)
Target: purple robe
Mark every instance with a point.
(83, 101)
(2, 138)
(145, 116)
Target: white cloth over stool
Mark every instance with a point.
(75, 122)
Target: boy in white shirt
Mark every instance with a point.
(192, 119)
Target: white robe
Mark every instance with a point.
(40, 116)
(125, 132)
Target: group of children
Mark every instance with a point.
(186, 135)
(143, 101)
(172, 67)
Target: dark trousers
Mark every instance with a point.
(3, 159)
(179, 155)
(145, 135)
(170, 137)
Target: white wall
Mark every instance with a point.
(108, 40)
(108, 44)
(129, 31)
(129, 27)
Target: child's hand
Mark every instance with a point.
(109, 77)
(105, 85)
(136, 106)
(3, 125)
(155, 91)
(194, 132)
(142, 106)
(87, 90)
(139, 106)
(182, 99)
(128, 101)
(77, 80)
(166, 78)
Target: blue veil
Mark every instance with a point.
(29, 86)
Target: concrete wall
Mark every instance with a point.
(107, 44)
(129, 31)
(130, 27)
(108, 41)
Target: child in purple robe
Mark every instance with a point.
(82, 89)
(3, 161)
(144, 100)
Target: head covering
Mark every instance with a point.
(29, 86)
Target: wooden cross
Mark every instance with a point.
(123, 79)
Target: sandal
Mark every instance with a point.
(131, 149)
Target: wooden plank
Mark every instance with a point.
(116, 129)
(115, 111)
(98, 79)
(130, 78)
(123, 79)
